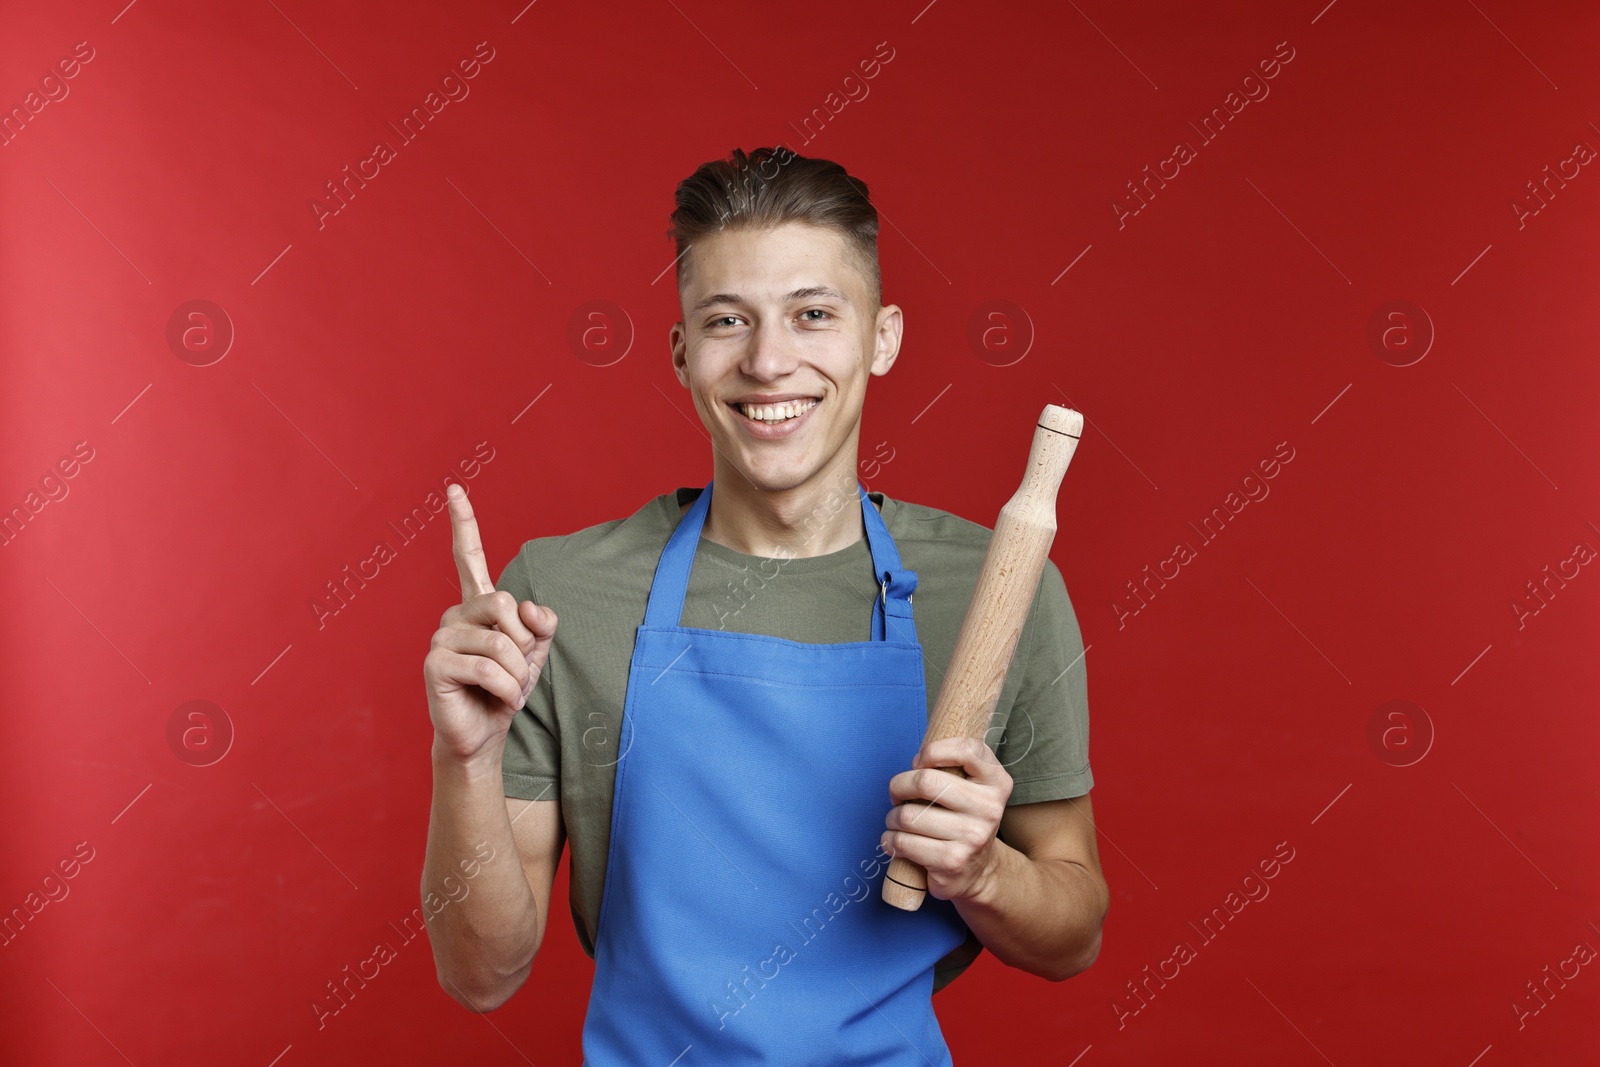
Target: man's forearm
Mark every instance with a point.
(1042, 916)
(485, 935)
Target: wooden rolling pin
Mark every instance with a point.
(1000, 603)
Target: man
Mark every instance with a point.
(734, 755)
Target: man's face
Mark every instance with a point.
(775, 315)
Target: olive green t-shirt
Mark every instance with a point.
(563, 743)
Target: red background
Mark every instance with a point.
(1230, 314)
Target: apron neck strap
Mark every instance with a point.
(891, 609)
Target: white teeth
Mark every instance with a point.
(777, 412)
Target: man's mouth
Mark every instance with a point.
(773, 414)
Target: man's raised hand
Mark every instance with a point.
(487, 653)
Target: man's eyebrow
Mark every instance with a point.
(798, 294)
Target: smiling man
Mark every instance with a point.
(733, 782)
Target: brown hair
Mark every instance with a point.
(772, 186)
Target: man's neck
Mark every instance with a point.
(805, 521)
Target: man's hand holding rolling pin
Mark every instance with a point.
(952, 836)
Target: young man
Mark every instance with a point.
(729, 727)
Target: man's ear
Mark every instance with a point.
(676, 340)
(886, 339)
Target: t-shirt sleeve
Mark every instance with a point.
(1045, 746)
(531, 768)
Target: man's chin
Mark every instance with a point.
(767, 475)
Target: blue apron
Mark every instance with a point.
(741, 919)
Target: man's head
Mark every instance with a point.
(766, 188)
(781, 297)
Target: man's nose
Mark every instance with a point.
(769, 354)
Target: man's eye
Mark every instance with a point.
(818, 311)
(721, 320)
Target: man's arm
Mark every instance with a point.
(1025, 878)
(1042, 907)
(484, 942)
(490, 860)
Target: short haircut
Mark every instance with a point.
(772, 186)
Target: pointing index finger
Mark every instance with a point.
(466, 546)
